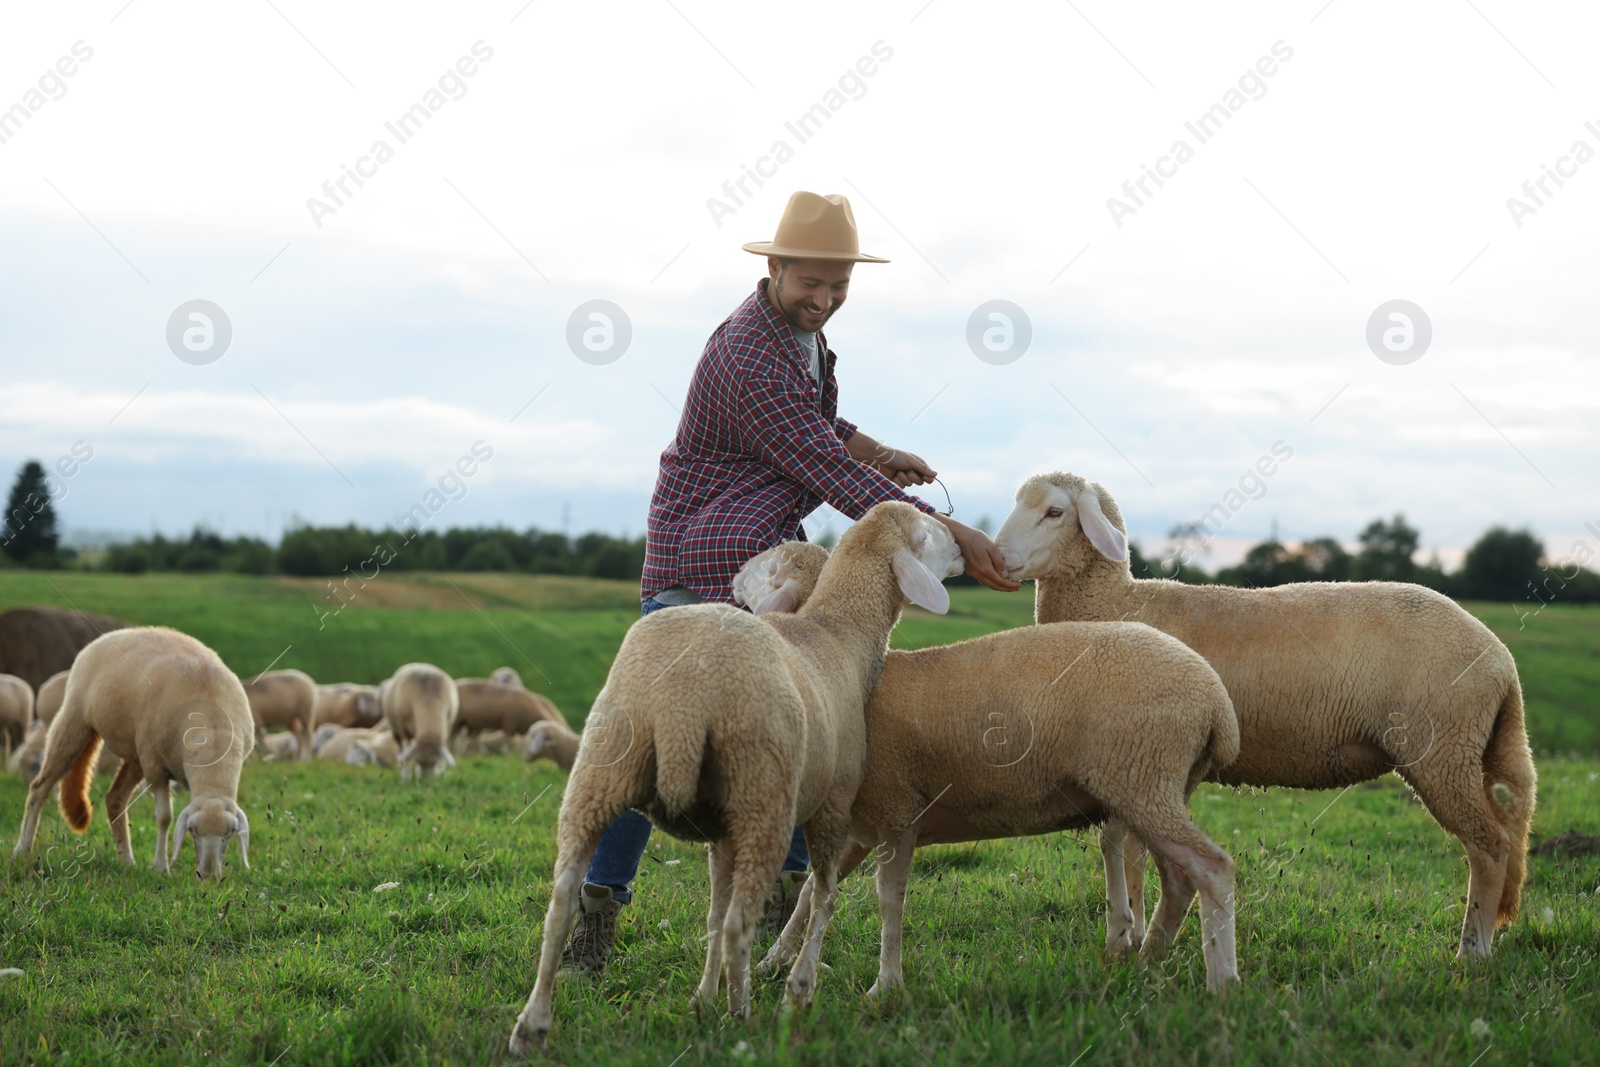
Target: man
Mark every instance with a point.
(759, 446)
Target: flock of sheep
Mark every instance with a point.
(731, 727)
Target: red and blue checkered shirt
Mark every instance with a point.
(760, 446)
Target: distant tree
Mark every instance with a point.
(1503, 564)
(1386, 551)
(1267, 564)
(1138, 563)
(1325, 560)
(28, 527)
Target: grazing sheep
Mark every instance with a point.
(380, 750)
(420, 706)
(729, 729)
(16, 710)
(346, 704)
(336, 743)
(285, 744)
(169, 707)
(1028, 732)
(48, 700)
(553, 741)
(506, 676)
(487, 705)
(1333, 683)
(36, 642)
(282, 698)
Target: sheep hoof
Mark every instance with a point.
(886, 990)
(525, 1040)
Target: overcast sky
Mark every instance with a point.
(1356, 153)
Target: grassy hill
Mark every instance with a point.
(560, 633)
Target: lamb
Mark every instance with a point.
(488, 705)
(1333, 683)
(760, 729)
(169, 707)
(554, 741)
(339, 744)
(420, 706)
(282, 698)
(506, 676)
(346, 704)
(48, 700)
(1048, 728)
(16, 710)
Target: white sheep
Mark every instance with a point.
(419, 707)
(554, 741)
(16, 710)
(346, 704)
(356, 745)
(48, 700)
(1333, 683)
(1028, 732)
(729, 729)
(282, 698)
(490, 705)
(169, 707)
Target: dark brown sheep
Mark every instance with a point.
(38, 641)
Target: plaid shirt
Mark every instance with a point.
(758, 448)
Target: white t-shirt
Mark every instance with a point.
(808, 341)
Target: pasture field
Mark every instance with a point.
(1350, 902)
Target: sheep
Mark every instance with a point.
(420, 706)
(174, 712)
(381, 750)
(757, 731)
(1112, 719)
(488, 705)
(284, 745)
(16, 710)
(48, 700)
(346, 704)
(282, 698)
(38, 641)
(1333, 683)
(506, 676)
(336, 744)
(554, 741)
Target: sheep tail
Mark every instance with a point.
(1511, 784)
(75, 805)
(680, 742)
(1224, 742)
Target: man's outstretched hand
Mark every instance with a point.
(903, 468)
(980, 556)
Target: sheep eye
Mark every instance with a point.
(1053, 513)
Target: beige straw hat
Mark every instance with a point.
(815, 227)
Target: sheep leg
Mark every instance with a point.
(72, 735)
(802, 984)
(784, 949)
(757, 857)
(705, 996)
(163, 795)
(1134, 853)
(1485, 883)
(1177, 893)
(891, 877)
(117, 808)
(1210, 869)
(1120, 939)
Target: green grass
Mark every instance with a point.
(1350, 902)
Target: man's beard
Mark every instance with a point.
(791, 312)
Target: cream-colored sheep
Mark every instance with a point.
(488, 705)
(1333, 683)
(16, 710)
(553, 741)
(346, 704)
(379, 750)
(1028, 732)
(506, 676)
(174, 712)
(338, 744)
(287, 699)
(282, 745)
(420, 706)
(48, 700)
(729, 729)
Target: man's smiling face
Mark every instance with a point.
(807, 292)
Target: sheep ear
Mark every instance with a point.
(179, 834)
(919, 584)
(1109, 541)
(784, 600)
(244, 837)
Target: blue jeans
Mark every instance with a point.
(616, 859)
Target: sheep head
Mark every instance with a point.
(1060, 523)
(781, 578)
(921, 552)
(212, 820)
